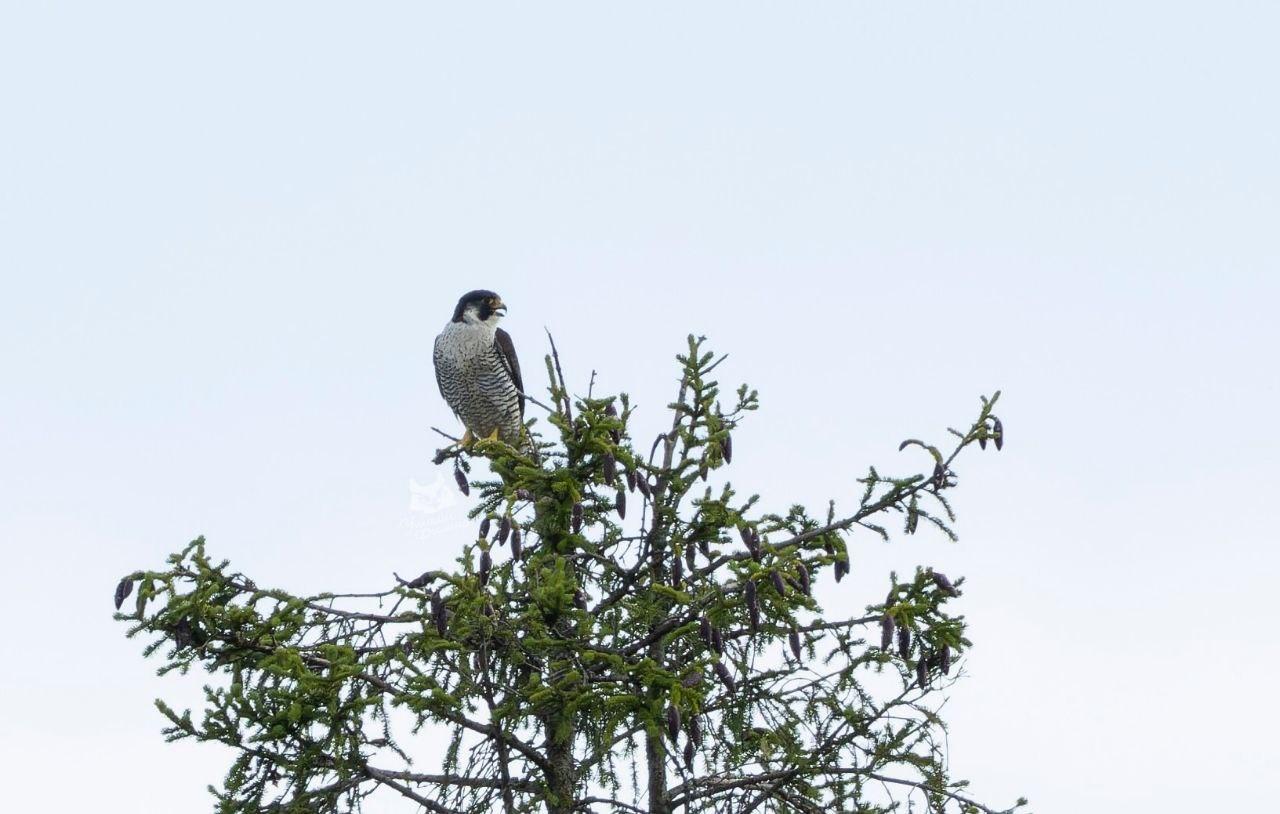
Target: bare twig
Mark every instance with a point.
(389, 781)
(535, 401)
(564, 390)
(447, 435)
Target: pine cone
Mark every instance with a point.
(123, 589)
(612, 412)
(420, 581)
(944, 584)
(841, 568)
(725, 676)
(438, 614)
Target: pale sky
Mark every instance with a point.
(229, 235)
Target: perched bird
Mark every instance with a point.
(478, 373)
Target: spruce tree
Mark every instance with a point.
(620, 635)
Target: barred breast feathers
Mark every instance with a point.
(476, 383)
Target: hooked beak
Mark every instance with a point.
(500, 307)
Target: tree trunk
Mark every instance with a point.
(655, 758)
(560, 776)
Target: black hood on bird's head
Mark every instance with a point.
(484, 300)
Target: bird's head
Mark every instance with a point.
(480, 308)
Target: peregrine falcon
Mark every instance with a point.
(478, 373)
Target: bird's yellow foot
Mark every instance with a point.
(493, 436)
(467, 439)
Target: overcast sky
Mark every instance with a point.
(230, 235)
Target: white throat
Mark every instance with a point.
(471, 316)
(472, 330)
